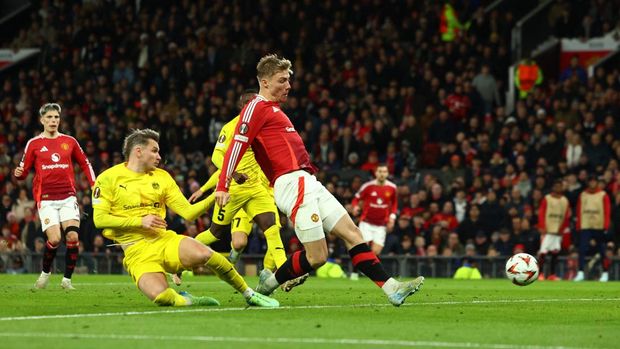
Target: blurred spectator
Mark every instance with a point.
(486, 86)
(574, 70)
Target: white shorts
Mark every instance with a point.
(313, 210)
(53, 212)
(551, 243)
(374, 233)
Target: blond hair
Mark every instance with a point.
(138, 137)
(272, 64)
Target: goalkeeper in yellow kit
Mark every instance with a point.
(129, 202)
(252, 201)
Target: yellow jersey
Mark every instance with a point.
(121, 197)
(247, 165)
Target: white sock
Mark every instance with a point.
(44, 273)
(65, 279)
(272, 282)
(390, 286)
(248, 293)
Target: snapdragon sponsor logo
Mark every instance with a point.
(54, 166)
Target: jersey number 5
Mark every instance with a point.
(220, 214)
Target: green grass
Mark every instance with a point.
(109, 312)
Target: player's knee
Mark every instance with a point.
(54, 240)
(202, 256)
(317, 260)
(239, 244)
(72, 233)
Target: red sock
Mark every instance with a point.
(367, 262)
(71, 257)
(48, 256)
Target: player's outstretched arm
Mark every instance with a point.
(211, 183)
(179, 204)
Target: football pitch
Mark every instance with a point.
(109, 312)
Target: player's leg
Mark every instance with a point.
(155, 287)
(541, 264)
(192, 253)
(584, 246)
(214, 233)
(368, 263)
(601, 248)
(338, 222)
(554, 251)
(50, 224)
(309, 229)
(240, 228)
(147, 267)
(69, 214)
(367, 236)
(553, 266)
(268, 222)
(542, 256)
(378, 239)
(71, 229)
(297, 266)
(261, 207)
(221, 219)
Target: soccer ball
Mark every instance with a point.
(522, 269)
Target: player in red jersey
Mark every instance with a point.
(314, 211)
(52, 154)
(379, 208)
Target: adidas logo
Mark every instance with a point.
(43, 149)
(275, 110)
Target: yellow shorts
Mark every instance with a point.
(154, 256)
(241, 223)
(253, 201)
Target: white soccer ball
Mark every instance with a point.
(522, 269)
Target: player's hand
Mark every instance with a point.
(18, 171)
(195, 196)
(390, 225)
(153, 222)
(222, 198)
(240, 178)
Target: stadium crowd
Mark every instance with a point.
(373, 83)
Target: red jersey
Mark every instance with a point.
(278, 148)
(379, 202)
(458, 105)
(54, 178)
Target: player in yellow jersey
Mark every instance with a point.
(130, 201)
(253, 200)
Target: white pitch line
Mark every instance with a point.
(219, 310)
(78, 284)
(340, 341)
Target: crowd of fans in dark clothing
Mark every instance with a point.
(373, 83)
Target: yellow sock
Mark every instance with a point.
(275, 248)
(268, 262)
(225, 271)
(206, 237)
(170, 297)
